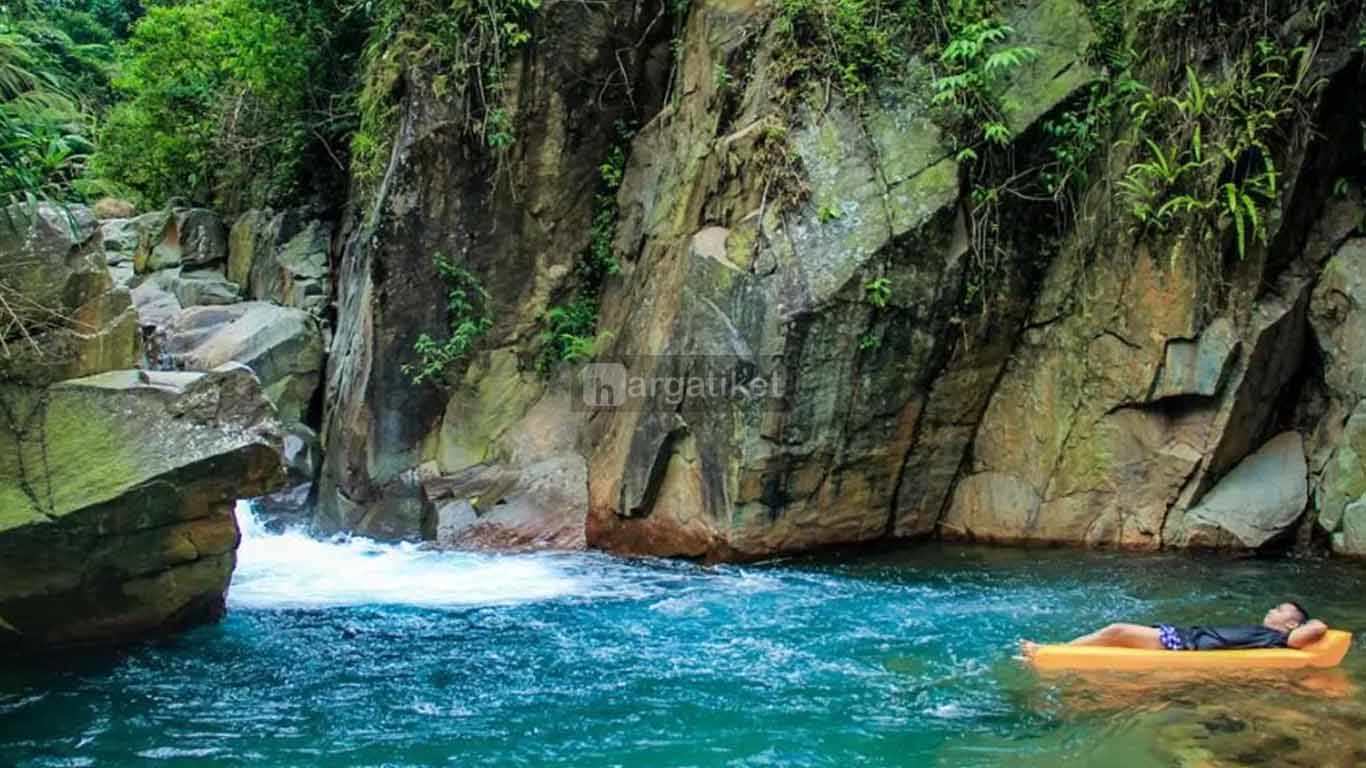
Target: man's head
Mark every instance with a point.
(1286, 616)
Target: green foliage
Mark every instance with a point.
(601, 262)
(570, 329)
(45, 128)
(974, 62)
(1076, 136)
(471, 42)
(878, 291)
(1112, 48)
(570, 332)
(850, 42)
(94, 21)
(721, 77)
(470, 318)
(1206, 158)
(223, 101)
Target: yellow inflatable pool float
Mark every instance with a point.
(1327, 652)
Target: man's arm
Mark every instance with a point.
(1307, 634)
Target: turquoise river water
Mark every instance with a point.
(352, 653)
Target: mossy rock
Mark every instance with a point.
(116, 496)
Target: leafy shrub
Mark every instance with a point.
(470, 317)
(227, 102)
(849, 41)
(570, 332)
(975, 60)
(1215, 166)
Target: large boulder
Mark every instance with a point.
(192, 237)
(283, 258)
(116, 502)
(156, 306)
(161, 296)
(121, 238)
(282, 345)
(508, 474)
(1256, 503)
(62, 316)
(536, 506)
(198, 287)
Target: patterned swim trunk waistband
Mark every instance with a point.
(1171, 639)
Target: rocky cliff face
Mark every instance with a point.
(942, 351)
(517, 222)
(116, 486)
(877, 401)
(1148, 401)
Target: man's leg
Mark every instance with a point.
(1124, 636)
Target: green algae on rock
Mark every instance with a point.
(118, 491)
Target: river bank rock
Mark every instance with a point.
(1150, 368)
(539, 506)
(942, 350)
(1258, 501)
(116, 502)
(520, 481)
(121, 238)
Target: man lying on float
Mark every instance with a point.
(1286, 626)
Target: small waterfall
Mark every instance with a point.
(294, 570)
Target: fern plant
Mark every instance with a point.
(1147, 183)
(1215, 170)
(878, 291)
(974, 63)
(44, 132)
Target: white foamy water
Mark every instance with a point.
(294, 570)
